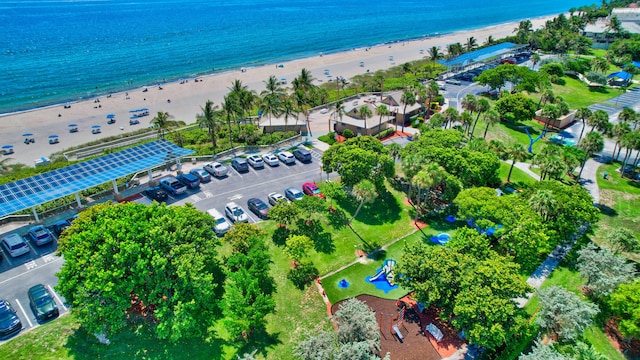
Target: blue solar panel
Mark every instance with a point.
(26, 193)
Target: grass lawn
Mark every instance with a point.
(620, 204)
(518, 176)
(510, 134)
(577, 94)
(357, 273)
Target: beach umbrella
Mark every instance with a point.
(7, 146)
(111, 116)
(27, 135)
(144, 109)
(133, 117)
(73, 125)
(132, 111)
(95, 127)
(53, 136)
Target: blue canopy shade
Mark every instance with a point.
(144, 109)
(95, 127)
(636, 64)
(36, 190)
(53, 136)
(479, 55)
(111, 116)
(73, 125)
(621, 75)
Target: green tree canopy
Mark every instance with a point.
(625, 304)
(603, 270)
(157, 260)
(516, 107)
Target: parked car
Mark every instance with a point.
(271, 159)
(60, 226)
(255, 161)
(9, 321)
(274, 198)
(258, 207)
(293, 194)
(222, 225)
(201, 174)
(15, 245)
(235, 213)
(286, 157)
(312, 189)
(40, 235)
(156, 193)
(171, 185)
(240, 164)
(216, 169)
(453, 82)
(189, 180)
(303, 155)
(42, 303)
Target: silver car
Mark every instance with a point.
(222, 225)
(286, 157)
(15, 245)
(216, 169)
(255, 161)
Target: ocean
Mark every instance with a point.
(57, 51)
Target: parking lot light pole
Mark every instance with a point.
(35, 214)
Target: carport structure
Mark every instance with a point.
(36, 190)
(467, 60)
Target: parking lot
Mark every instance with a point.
(40, 265)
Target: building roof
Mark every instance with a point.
(480, 54)
(39, 189)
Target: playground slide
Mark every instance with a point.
(378, 275)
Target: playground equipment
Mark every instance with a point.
(441, 238)
(343, 284)
(386, 271)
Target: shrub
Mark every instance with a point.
(348, 133)
(596, 78)
(303, 274)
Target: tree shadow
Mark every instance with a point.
(259, 342)
(337, 219)
(140, 343)
(598, 89)
(322, 240)
(520, 127)
(385, 209)
(606, 210)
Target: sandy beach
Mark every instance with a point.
(187, 98)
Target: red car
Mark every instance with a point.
(311, 189)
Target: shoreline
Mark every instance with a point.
(183, 100)
(80, 98)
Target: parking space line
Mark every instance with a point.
(57, 297)
(251, 217)
(24, 313)
(28, 271)
(8, 258)
(236, 171)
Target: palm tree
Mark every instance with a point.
(592, 143)
(550, 113)
(408, 98)
(618, 131)
(614, 26)
(162, 121)
(394, 150)
(630, 141)
(535, 59)
(209, 119)
(517, 153)
(431, 92)
(466, 119)
(523, 30)
(471, 44)
(491, 117)
(379, 81)
(629, 115)
(230, 109)
(381, 110)
(547, 96)
(365, 113)
(288, 110)
(365, 192)
(599, 64)
(425, 179)
(583, 114)
(598, 120)
(490, 40)
(245, 99)
(271, 97)
(469, 103)
(543, 202)
(450, 115)
(482, 106)
(434, 53)
(338, 113)
(497, 147)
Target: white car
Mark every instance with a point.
(216, 169)
(222, 225)
(275, 198)
(270, 159)
(286, 157)
(15, 245)
(235, 213)
(255, 161)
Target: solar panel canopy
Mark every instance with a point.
(26, 193)
(479, 55)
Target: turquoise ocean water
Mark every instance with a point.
(56, 51)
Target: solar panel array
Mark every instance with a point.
(479, 55)
(36, 190)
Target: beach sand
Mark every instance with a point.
(187, 98)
